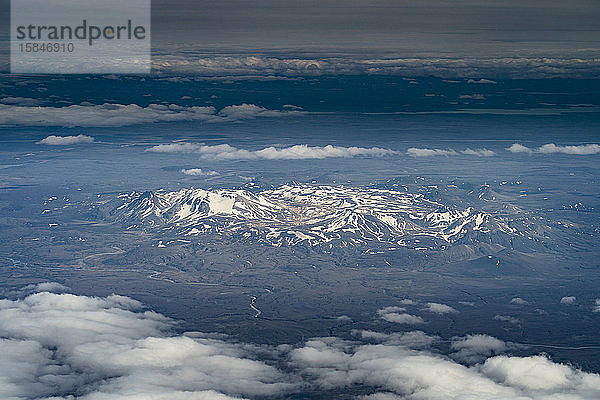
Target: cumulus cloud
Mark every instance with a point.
(538, 374)
(439, 308)
(424, 152)
(472, 349)
(63, 346)
(66, 140)
(128, 114)
(101, 348)
(250, 111)
(296, 152)
(390, 309)
(551, 148)
(413, 339)
(396, 315)
(54, 287)
(568, 300)
(395, 372)
(478, 152)
(198, 172)
(586, 149)
(518, 300)
(519, 148)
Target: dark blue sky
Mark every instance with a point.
(459, 28)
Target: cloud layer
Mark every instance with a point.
(551, 148)
(297, 152)
(257, 65)
(63, 346)
(108, 348)
(398, 372)
(425, 152)
(128, 114)
(473, 349)
(53, 140)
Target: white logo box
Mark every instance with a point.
(80, 37)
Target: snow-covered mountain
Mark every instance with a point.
(331, 216)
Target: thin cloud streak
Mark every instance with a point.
(296, 152)
(111, 115)
(425, 152)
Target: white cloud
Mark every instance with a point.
(481, 81)
(568, 300)
(396, 314)
(551, 148)
(518, 300)
(54, 287)
(178, 148)
(536, 374)
(198, 172)
(478, 152)
(416, 152)
(128, 114)
(473, 349)
(398, 372)
(66, 140)
(424, 152)
(597, 306)
(268, 67)
(439, 308)
(62, 346)
(390, 309)
(250, 111)
(519, 148)
(586, 149)
(296, 152)
(101, 348)
(413, 339)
